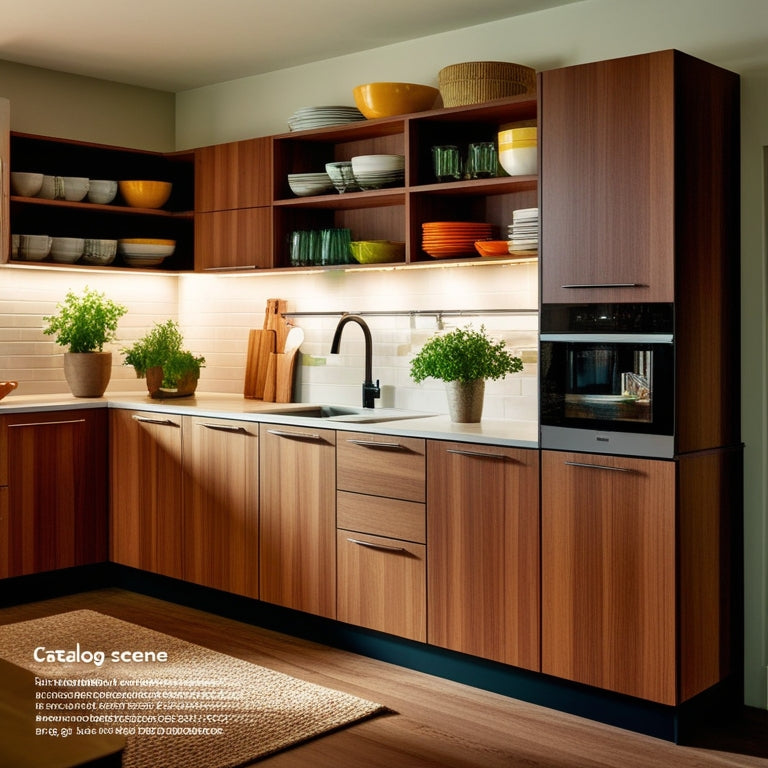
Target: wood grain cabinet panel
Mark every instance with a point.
(53, 510)
(233, 239)
(483, 545)
(297, 525)
(146, 484)
(220, 531)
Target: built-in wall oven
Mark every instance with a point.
(607, 378)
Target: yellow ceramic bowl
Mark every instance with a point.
(518, 136)
(145, 194)
(377, 251)
(388, 99)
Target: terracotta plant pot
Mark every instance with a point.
(185, 386)
(87, 373)
(465, 400)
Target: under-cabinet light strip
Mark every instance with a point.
(415, 312)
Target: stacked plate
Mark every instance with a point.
(145, 251)
(445, 239)
(306, 184)
(377, 171)
(307, 118)
(524, 232)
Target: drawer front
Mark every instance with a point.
(382, 584)
(380, 516)
(381, 465)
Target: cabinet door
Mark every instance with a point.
(234, 175)
(146, 503)
(608, 573)
(56, 496)
(5, 177)
(239, 238)
(483, 549)
(606, 137)
(382, 584)
(220, 531)
(297, 533)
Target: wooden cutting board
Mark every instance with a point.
(274, 321)
(261, 344)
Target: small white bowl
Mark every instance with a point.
(102, 191)
(518, 161)
(26, 184)
(67, 250)
(52, 188)
(34, 247)
(75, 188)
(99, 253)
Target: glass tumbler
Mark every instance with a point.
(446, 162)
(482, 160)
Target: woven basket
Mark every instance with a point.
(474, 82)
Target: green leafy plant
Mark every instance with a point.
(463, 355)
(162, 347)
(84, 323)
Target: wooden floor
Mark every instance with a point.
(435, 723)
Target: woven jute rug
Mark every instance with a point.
(197, 709)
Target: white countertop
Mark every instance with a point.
(505, 432)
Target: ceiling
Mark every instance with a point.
(175, 45)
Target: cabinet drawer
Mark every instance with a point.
(381, 465)
(382, 584)
(380, 516)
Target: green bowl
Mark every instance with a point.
(377, 251)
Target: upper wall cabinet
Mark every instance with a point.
(5, 163)
(639, 179)
(233, 217)
(37, 215)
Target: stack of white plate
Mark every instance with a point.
(305, 184)
(145, 251)
(524, 232)
(319, 117)
(377, 171)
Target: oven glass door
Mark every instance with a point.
(616, 382)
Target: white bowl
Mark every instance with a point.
(34, 247)
(26, 184)
(378, 163)
(147, 248)
(102, 191)
(519, 161)
(305, 184)
(52, 188)
(143, 261)
(67, 250)
(75, 188)
(99, 253)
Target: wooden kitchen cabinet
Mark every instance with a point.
(381, 536)
(62, 218)
(53, 494)
(297, 518)
(5, 177)
(146, 485)
(220, 528)
(636, 556)
(233, 215)
(483, 545)
(639, 179)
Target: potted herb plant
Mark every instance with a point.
(84, 324)
(464, 358)
(159, 356)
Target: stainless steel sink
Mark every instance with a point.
(347, 414)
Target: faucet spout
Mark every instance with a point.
(371, 391)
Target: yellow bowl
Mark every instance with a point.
(145, 194)
(377, 251)
(388, 99)
(517, 135)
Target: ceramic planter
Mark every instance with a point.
(465, 400)
(87, 373)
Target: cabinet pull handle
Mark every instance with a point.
(377, 444)
(148, 420)
(597, 466)
(47, 423)
(372, 545)
(242, 268)
(478, 454)
(603, 285)
(295, 435)
(224, 427)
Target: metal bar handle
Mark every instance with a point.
(597, 466)
(372, 545)
(148, 420)
(603, 285)
(376, 444)
(224, 427)
(48, 423)
(295, 435)
(478, 454)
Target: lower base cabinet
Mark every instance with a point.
(53, 491)
(483, 544)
